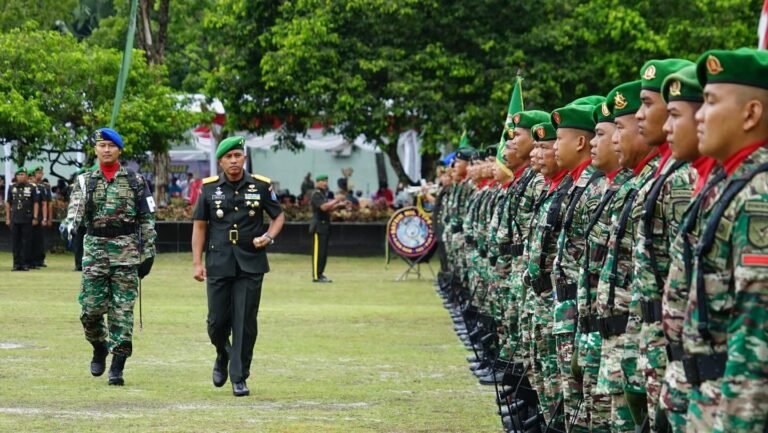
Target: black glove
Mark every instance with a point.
(146, 266)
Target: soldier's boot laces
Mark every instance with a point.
(116, 370)
(99, 360)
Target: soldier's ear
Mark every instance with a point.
(754, 111)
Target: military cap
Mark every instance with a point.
(478, 155)
(601, 113)
(543, 132)
(229, 143)
(21, 170)
(526, 119)
(590, 100)
(744, 66)
(491, 151)
(320, 177)
(624, 99)
(31, 171)
(109, 134)
(683, 86)
(575, 117)
(654, 72)
(465, 153)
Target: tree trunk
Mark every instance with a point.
(162, 162)
(428, 165)
(394, 159)
(144, 35)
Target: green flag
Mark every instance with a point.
(464, 141)
(515, 106)
(126, 65)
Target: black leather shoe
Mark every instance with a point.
(116, 370)
(99, 359)
(491, 378)
(220, 371)
(239, 389)
(20, 268)
(322, 279)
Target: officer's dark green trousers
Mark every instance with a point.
(319, 253)
(233, 304)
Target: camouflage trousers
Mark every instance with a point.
(674, 395)
(610, 381)
(575, 412)
(544, 349)
(703, 406)
(109, 290)
(597, 407)
(653, 363)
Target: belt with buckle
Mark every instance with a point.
(234, 236)
(111, 232)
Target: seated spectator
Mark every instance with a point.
(384, 194)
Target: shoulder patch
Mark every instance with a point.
(210, 179)
(261, 178)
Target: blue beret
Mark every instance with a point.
(109, 134)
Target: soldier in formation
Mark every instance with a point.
(608, 262)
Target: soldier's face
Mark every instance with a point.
(566, 148)
(535, 163)
(523, 143)
(460, 168)
(651, 117)
(21, 178)
(38, 175)
(628, 143)
(510, 158)
(722, 119)
(107, 152)
(232, 163)
(549, 166)
(601, 148)
(680, 128)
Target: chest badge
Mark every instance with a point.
(219, 213)
(251, 213)
(218, 195)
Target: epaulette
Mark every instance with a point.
(210, 179)
(261, 178)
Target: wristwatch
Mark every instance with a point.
(271, 239)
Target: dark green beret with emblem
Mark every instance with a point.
(682, 86)
(21, 170)
(526, 119)
(575, 117)
(320, 177)
(229, 143)
(544, 132)
(654, 72)
(590, 100)
(601, 113)
(490, 151)
(624, 99)
(465, 153)
(744, 66)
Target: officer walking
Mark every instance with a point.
(229, 226)
(119, 248)
(320, 227)
(37, 250)
(22, 205)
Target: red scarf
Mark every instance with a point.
(576, 172)
(109, 171)
(666, 153)
(612, 175)
(703, 167)
(734, 161)
(519, 172)
(555, 181)
(645, 161)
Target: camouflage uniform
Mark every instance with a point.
(673, 398)
(542, 250)
(660, 205)
(618, 356)
(115, 213)
(725, 336)
(583, 198)
(597, 407)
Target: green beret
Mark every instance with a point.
(624, 99)
(683, 86)
(478, 155)
(575, 117)
(466, 153)
(654, 72)
(601, 113)
(590, 100)
(744, 66)
(229, 143)
(526, 119)
(320, 177)
(21, 170)
(544, 132)
(31, 171)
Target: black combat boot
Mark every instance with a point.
(116, 370)
(99, 360)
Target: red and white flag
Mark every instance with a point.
(762, 28)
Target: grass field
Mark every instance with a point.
(363, 354)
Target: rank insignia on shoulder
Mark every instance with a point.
(261, 178)
(210, 179)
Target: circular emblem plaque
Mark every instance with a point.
(410, 233)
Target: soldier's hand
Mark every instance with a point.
(146, 266)
(8, 222)
(35, 222)
(200, 273)
(260, 242)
